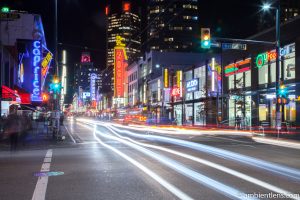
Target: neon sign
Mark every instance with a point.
(85, 57)
(45, 63)
(238, 67)
(119, 41)
(93, 86)
(175, 91)
(126, 7)
(166, 78)
(36, 90)
(263, 58)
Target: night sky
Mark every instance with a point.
(81, 23)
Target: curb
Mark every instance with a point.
(278, 142)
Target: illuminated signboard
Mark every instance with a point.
(85, 57)
(263, 58)
(45, 63)
(175, 91)
(36, 70)
(126, 7)
(179, 81)
(119, 67)
(192, 85)
(238, 67)
(93, 86)
(166, 78)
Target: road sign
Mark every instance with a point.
(9, 16)
(237, 46)
(215, 44)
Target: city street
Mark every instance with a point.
(110, 161)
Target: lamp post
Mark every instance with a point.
(267, 7)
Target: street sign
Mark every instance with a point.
(215, 44)
(9, 16)
(237, 46)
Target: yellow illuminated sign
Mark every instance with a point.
(166, 78)
(119, 41)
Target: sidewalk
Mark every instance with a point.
(278, 142)
(36, 139)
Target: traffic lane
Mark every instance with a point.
(271, 153)
(257, 173)
(99, 173)
(17, 171)
(186, 183)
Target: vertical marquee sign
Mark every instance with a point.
(32, 68)
(119, 67)
(36, 70)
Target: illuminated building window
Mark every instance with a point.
(187, 17)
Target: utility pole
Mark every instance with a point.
(278, 114)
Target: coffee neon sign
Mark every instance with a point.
(263, 58)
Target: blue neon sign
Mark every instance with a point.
(36, 70)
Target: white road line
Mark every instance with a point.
(41, 185)
(70, 134)
(174, 190)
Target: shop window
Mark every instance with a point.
(248, 79)
(263, 112)
(263, 75)
(289, 66)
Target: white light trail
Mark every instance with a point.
(273, 167)
(198, 177)
(215, 166)
(174, 190)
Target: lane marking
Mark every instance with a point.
(174, 190)
(70, 135)
(42, 182)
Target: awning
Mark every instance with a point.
(10, 94)
(24, 95)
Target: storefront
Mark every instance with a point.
(198, 104)
(251, 93)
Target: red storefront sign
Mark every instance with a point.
(119, 71)
(176, 91)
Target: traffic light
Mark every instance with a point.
(55, 86)
(205, 38)
(282, 92)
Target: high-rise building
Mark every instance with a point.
(172, 25)
(124, 22)
(289, 10)
(86, 79)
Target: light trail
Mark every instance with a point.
(171, 188)
(198, 177)
(268, 166)
(215, 166)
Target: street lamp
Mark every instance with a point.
(267, 7)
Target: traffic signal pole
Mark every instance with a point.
(278, 114)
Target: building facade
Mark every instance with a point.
(22, 58)
(163, 79)
(250, 80)
(176, 29)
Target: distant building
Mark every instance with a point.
(289, 10)
(126, 23)
(174, 30)
(86, 80)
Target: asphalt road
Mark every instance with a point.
(107, 161)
